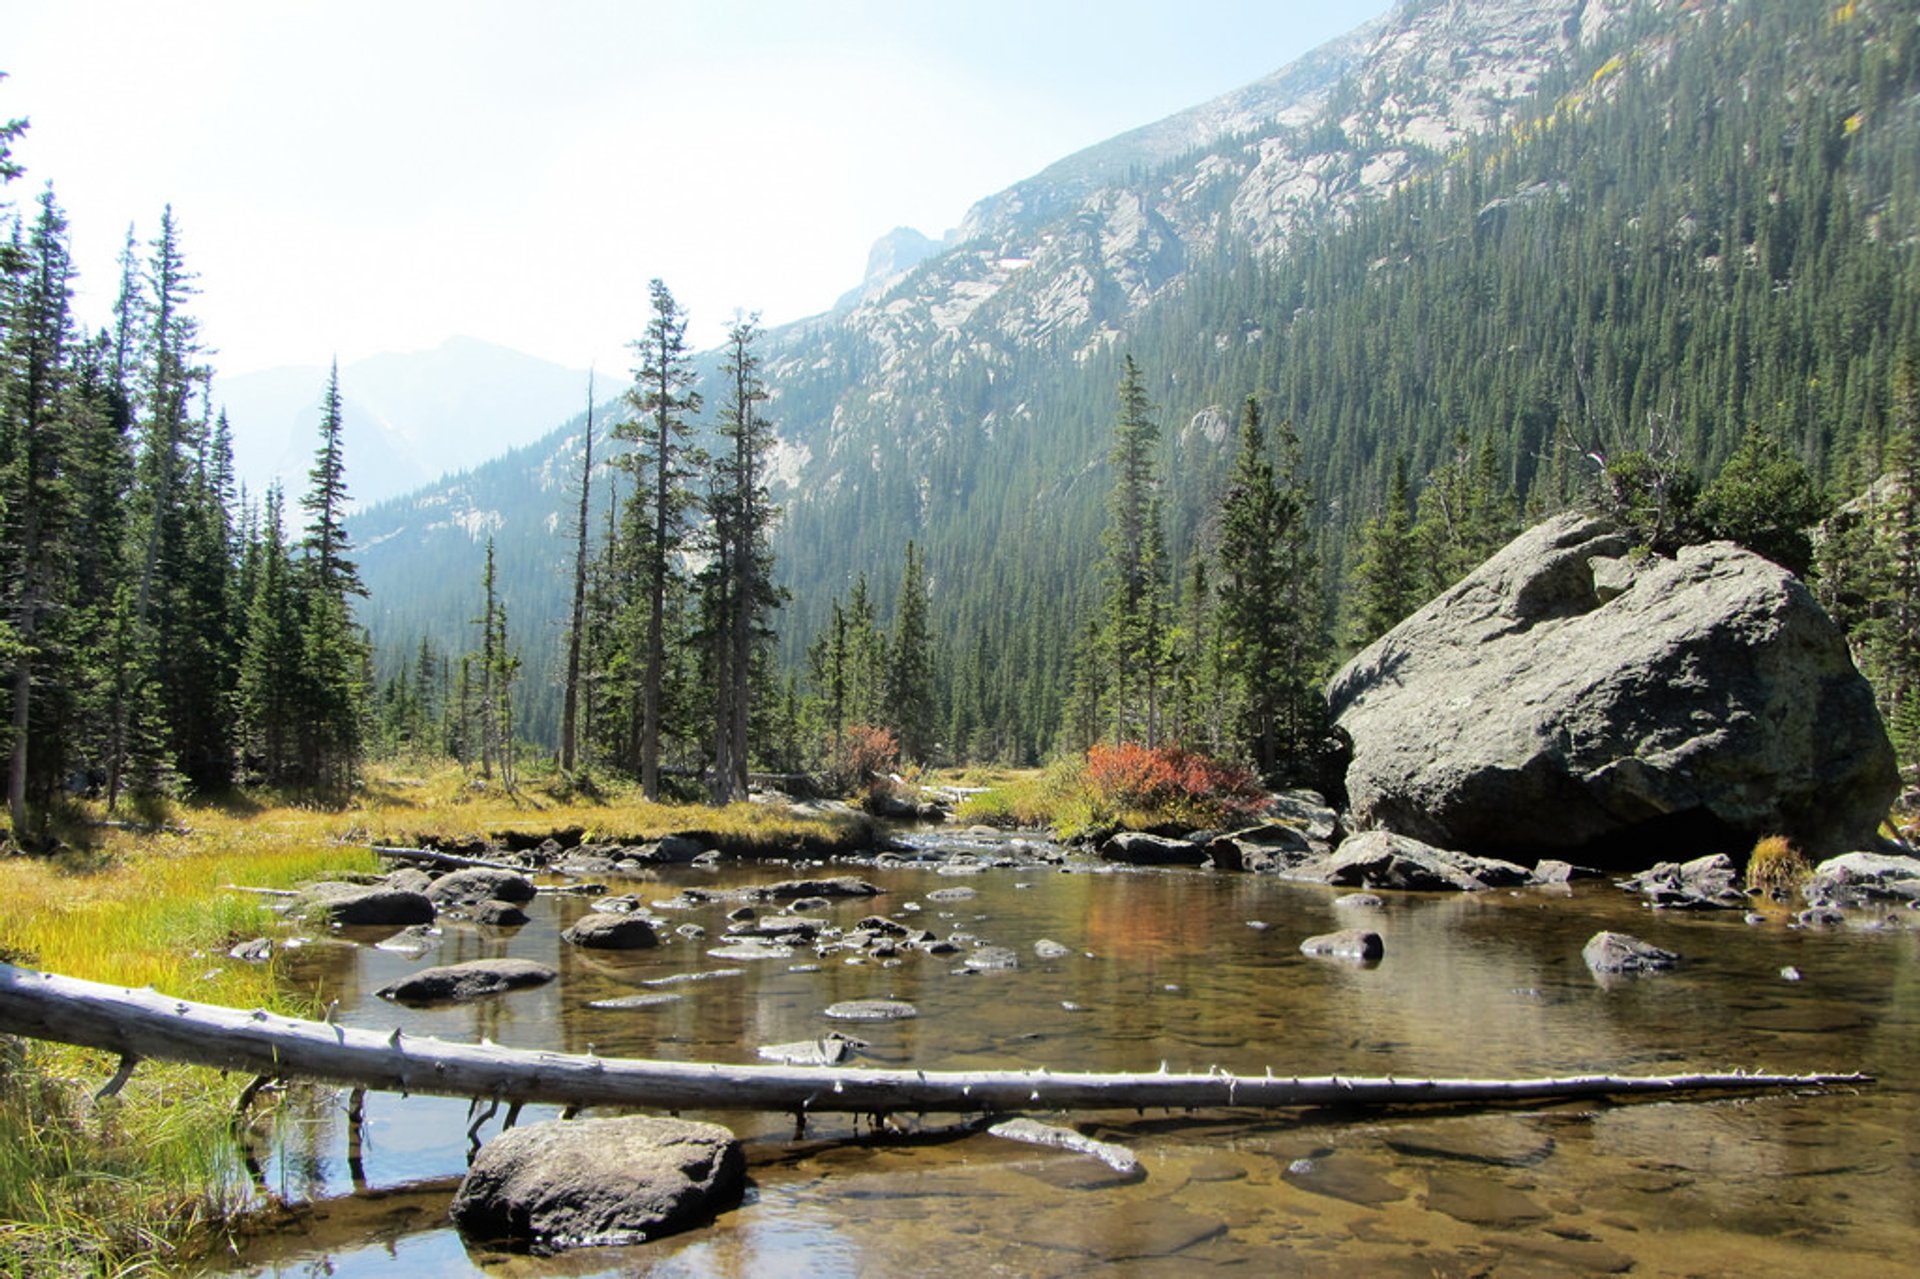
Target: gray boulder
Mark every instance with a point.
(499, 914)
(602, 930)
(465, 888)
(599, 1181)
(1381, 859)
(1607, 952)
(1349, 943)
(1566, 697)
(1138, 848)
(475, 979)
(1857, 879)
(359, 906)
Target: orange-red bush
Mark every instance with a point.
(863, 755)
(1180, 785)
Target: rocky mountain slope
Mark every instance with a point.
(962, 395)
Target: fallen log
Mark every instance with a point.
(141, 1024)
(449, 861)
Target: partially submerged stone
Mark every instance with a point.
(1349, 943)
(475, 979)
(601, 931)
(1705, 883)
(872, 1010)
(838, 886)
(1610, 952)
(1857, 879)
(584, 1182)
(1139, 848)
(1382, 859)
(358, 906)
(465, 888)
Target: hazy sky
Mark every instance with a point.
(352, 177)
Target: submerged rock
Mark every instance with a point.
(499, 914)
(872, 1010)
(599, 1181)
(1567, 697)
(1609, 952)
(475, 979)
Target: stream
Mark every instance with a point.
(1195, 969)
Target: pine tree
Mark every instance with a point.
(38, 447)
(741, 516)
(576, 629)
(1386, 576)
(664, 401)
(325, 503)
(1134, 571)
(910, 669)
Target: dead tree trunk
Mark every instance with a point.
(140, 1024)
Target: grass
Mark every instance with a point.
(1777, 868)
(143, 1182)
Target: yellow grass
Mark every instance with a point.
(134, 1183)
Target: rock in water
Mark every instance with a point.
(1607, 952)
(475, 979)
(599, 1181)
(1568, 697)
(602, 931)
(464, 888)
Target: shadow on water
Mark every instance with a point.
(1164, 967)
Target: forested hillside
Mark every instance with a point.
(1662, 226)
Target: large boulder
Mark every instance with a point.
(1571, 697)
(599, 1181)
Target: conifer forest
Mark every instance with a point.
(1683, 287)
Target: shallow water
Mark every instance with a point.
(1165, 968)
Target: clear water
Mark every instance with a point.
(1165, 968)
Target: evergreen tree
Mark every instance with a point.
(1268, 622)
(1134, 572)
(576, 629)
(1764, 499)
(325, 503)
(1386, 576)
(664, 401)
(272, 656)
(38, 462)
(910, 668)
(738, 581)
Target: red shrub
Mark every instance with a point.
(1167, 780)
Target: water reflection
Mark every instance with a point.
(1163, 966)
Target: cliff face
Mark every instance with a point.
(1062, 260)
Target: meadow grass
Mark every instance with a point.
(142, 1182)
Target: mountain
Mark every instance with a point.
(1556, 228)
(403, 414)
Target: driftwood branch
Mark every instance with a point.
(144, 1024)
(447, 861)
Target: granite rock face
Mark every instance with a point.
(1570, 697)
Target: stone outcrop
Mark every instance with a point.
(1570, 697)
(1608, 952)
(599, 1181)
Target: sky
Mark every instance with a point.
(349, 178)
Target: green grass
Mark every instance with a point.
(143, 1182)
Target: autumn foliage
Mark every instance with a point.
(1129, 782)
